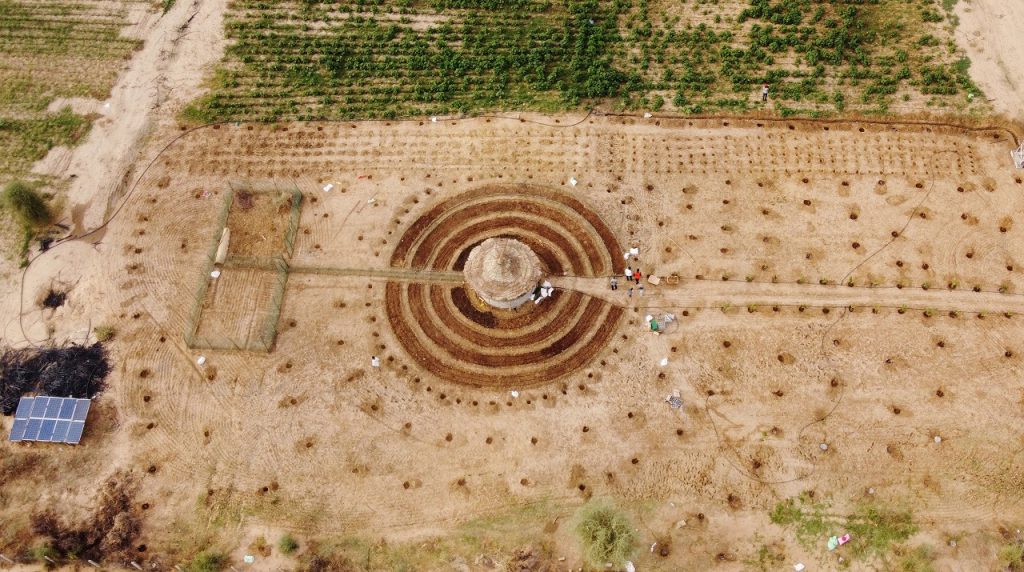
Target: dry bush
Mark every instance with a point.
(332, 563)
(529, 559)
(16, 464)
(108, 535)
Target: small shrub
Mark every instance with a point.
(41, 552)
(104, 333)
(207, 561)
(919, 559)
(260, 546)
(26, 203)
(287, 544)
(605, 534)
(1012, 557)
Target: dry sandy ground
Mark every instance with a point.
(753, 215)
(181, 47)
(990, 31)
(167, 73)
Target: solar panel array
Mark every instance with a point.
(50, 419)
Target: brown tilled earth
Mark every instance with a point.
(854, 284)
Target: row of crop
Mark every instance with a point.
(344, 56)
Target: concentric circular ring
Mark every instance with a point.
(450, 332)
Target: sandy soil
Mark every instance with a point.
(163, 76)
(990, 32)
(181, 46)
(308, 438)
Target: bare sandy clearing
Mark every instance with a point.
(990, 32)
(310, 438)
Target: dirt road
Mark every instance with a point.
(716, 294)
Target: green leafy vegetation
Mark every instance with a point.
(28, 206)
(104, 333)
(1011, 556)
(605, 534)
(766, 558)
(29, 210)
(320, 59)
(918, 559)
(28, 140)
(287, 544)
(875, 530)
(208, 561)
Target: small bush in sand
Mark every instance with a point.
(605, 534)
(104, 333)
(1012, 556)
(287, 544)
(208, 561)
(26, 203)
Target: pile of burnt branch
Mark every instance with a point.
(59, 371)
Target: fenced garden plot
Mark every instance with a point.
(239, 308)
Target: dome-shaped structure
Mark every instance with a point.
(503, 272)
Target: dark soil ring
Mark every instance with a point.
(447, 331)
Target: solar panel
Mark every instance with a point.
(51, 419)
(75, 433)
(46, 429)
(18, 429)
(60, 431)
(67, 409)
(24, 408)
(32, 430)
(81, 410)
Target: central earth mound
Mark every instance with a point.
(448, 333)
(503, 272)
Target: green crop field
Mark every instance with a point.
(331, 59)
(51, 50)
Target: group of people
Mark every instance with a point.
(631, 275)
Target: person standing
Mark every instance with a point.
(640, 290)
(629, 293)
(614, 284)
(629, 274)
(764, 92)
(637, 275)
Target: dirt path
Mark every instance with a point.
(389, 273)
(709, 293)
(167, 72)
(990, 31)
